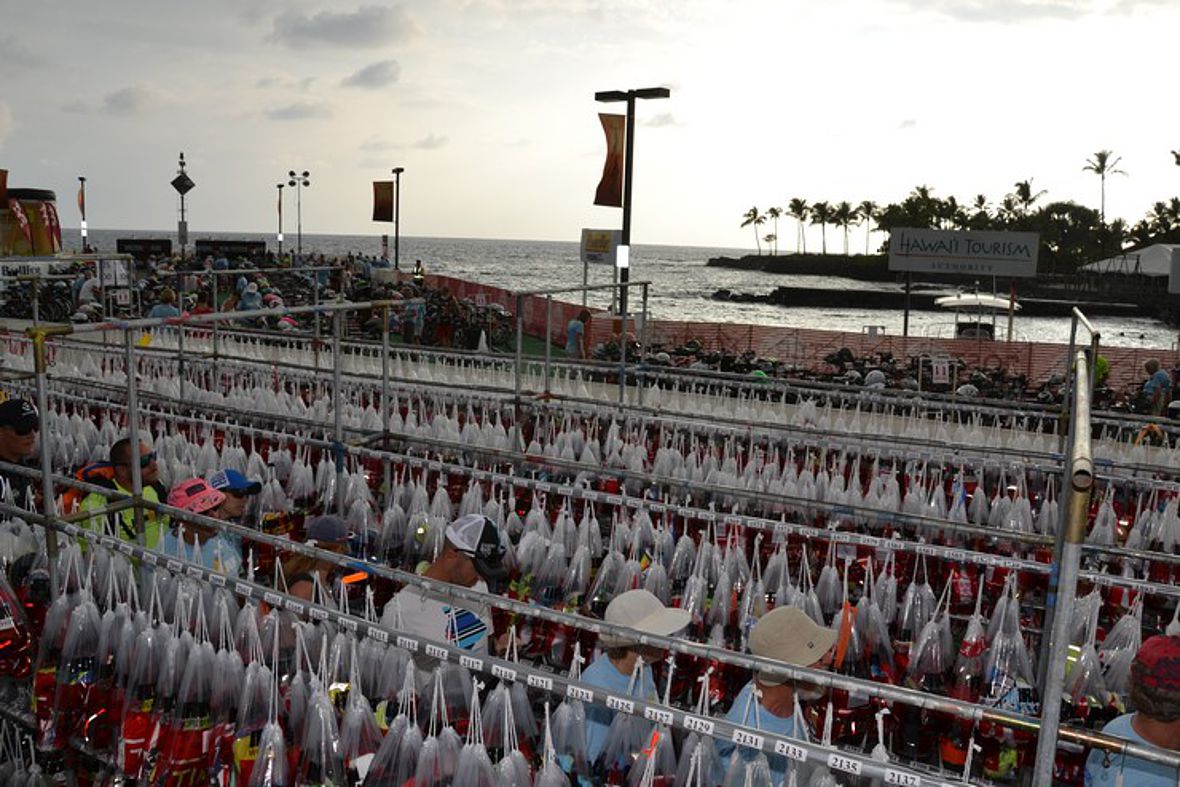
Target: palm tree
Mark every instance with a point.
(1176, 155)
(1025, 196)
(843, 217)
(867, 211)
(1103, 163)
(799, 210)
(770, 240)
(821, 214)
(775, 213)
(755, 218)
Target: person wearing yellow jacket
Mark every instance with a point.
(116, 476)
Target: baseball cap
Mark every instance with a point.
(1157, 664)
(195, 495)
(642, 611)
(19, 414)
(478, 537)
(787, 634)
(230, 480)
(327, 529)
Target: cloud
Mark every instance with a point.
(6, 121)
(374, 75)
(368, 26)
(661, 120)
(135, 100)
(302, 85)
(1003, 11)
(431, 141)
(907, 123)
(16, 57)
(374, 144)
(300, 110)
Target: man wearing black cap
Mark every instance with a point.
(18, 436)
(472, 554)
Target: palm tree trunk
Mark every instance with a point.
(868, 232)
(823, 234)
(801, 238)
(757, 241)
(1102, 204)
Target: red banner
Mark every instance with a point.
(82, 201)
(3, 186)
(610, 188)
(383, 200)
(22, 221)
(54, 225)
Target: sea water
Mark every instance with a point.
(681, 283)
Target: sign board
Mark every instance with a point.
(114, 273)
(600, 245)
(142, 248)
(1005, 254)
(11, 267)
(1174, 275)
(230, 249)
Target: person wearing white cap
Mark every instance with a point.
(473, 553)
(642, 611)
(767, 702)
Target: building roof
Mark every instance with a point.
(1154, 260)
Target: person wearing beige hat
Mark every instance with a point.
(612, 671)
(767, 702)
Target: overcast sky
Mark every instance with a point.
(488, 104)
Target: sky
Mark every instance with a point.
(489, 106)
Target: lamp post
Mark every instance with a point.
(299, 181)
(279, 186)
(82, 210)
(397, 206)
(623, 263)
(183, 185)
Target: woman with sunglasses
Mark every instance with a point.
(116, 475)
(203, 544)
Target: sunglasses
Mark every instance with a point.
(144, 459)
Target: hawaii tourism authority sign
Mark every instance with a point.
(1007, 254)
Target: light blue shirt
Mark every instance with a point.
(163, 310)
(764, 721)
(573, 340)
(219, 553)
(603, 674)
(1139, 773)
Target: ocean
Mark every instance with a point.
(681, 283)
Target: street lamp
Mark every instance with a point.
(397, 206)
(623, 260)
(299, 181)
(279, 186)
(183, 185)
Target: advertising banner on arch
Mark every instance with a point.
(966, 252)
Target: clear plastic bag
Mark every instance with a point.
(320, 755)
(270, 768)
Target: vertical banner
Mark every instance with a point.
(82, 200)
(3, 187)
(54, 225)
(610, 188)
(22, 221)
(383, 200)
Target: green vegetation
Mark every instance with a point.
(1071, 234)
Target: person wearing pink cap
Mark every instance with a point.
(214, 549)
(1154, 691)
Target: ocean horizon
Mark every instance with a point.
(681, 283)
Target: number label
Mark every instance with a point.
(614, 500)
(175, 566)
(658, 715)
(743, 738)
(381, 635)
(790, 751)
(841, 763)
(901, 778)
(434, 651)
(579, 693)
(503, 673)
(295, 607)
(540, 682)
(195, 572)
(217, 579)
(471, 663)
(348, 623)
(565, 491)
(697, 724)
(318, 614)
(405, 642)
(274, 599)
(620, 704)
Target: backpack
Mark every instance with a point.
(99, 474)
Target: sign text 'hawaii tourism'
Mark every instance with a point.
(1007, 254)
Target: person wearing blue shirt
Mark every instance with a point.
(166, 307)
(612, 670)
(1154, 690)
(213, 549)
(1158, 388)
(251, 299)
(768, 702)
(575, 335)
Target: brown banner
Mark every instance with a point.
(3, 187)
(610, 188)
(383, 200)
